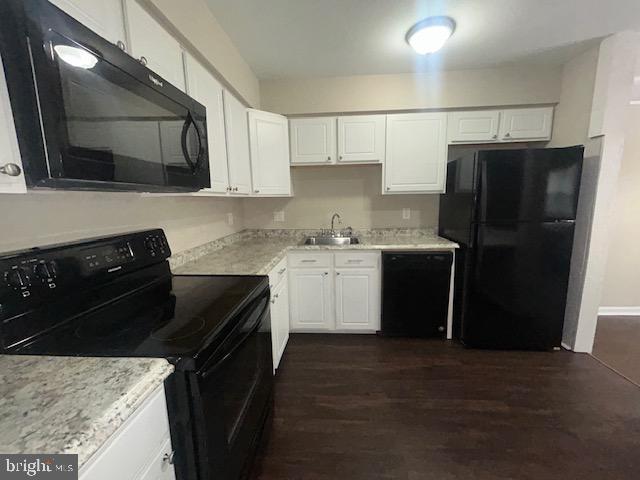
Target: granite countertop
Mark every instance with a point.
(257, 252)
(71, 404)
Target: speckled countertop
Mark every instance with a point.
(257, 252)
(71, 404)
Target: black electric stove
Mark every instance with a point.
(116, 297)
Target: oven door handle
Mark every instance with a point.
(208, 369)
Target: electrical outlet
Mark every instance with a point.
(278, 216)
(406, 213)
(230, 218)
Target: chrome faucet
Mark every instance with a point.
(333, 219)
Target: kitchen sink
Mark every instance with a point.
(330, 240)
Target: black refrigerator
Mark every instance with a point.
(513, 214)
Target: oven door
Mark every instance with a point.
(232, 396)
(108, 122)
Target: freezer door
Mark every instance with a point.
(528, 185)
(457, 204)
(517, 291)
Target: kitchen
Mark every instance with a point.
(322, 152)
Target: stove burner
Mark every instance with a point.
(173, 330)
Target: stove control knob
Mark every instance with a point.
(45, 271)
(17, 278)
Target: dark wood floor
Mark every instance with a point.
(617, 344)
(363, 407)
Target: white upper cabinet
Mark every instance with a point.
(361, 138)
(269, 144)
(105, 17)
(526, 124)
(202, 86)
(313, 140)
(153, 45)
(474, 126)
(237, 130)
(416, 153)
(11, 171)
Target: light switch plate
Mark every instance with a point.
(278, 216)
(406, 213)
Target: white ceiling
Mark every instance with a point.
(307, 38)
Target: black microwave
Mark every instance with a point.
(91, 117)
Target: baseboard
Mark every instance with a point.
(619, 311)
(566, 346)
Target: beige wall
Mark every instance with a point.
(194, 24)
(452, 89)
(622, 273)
(37, 219)
(352, 191)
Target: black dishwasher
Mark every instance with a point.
(415, 293)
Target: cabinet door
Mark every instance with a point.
(313, 140)
(205, 89)
(150, 40)
(357, 299)
(361, 138)
(105, 17)
(526, 124)
(416, 153)
(269, 145)
(473, 127)
(11, 171)
(310, 302)
(279, 322)
(237, 129)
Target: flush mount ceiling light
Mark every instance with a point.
(76, 57)
(429, 35)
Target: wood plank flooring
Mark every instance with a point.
(617, 344)
(363, 407)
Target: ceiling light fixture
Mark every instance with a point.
(76, 57)
(429, 35)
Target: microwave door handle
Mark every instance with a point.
(208, 369)
(183, 141)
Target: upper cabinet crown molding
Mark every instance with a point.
(416, 156)
(313, 140)
(269, 144)
(361, 138)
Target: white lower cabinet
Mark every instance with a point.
(357, 299)
(139, 450)
(343, 294)
(279, 285)
(311, 299)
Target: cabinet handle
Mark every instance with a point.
(256, 191)
(235, 189)
(354, 261)
(340, 157)
(388, 188)
(507, 135)
(228, 189)
(280, 272)
(143, 60)
(326, 273)
(120, 44)
(11, 169)
(309, 261)
(328, 159)
(168, 459)
(495, 136)
(337, 273)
